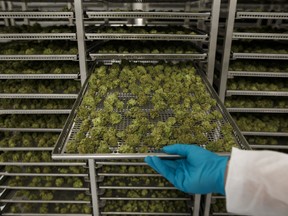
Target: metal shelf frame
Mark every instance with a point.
(257, 93)
(160, 37)
(38, 96)
(38, 57)
(232, 74)
(39, 76)
(36, 15)
(260, 36)
(261, 15)
(146, 15)
(35, 111)
(54, 130)
(266, 133)
(257, 110)
(38, 36)
(230, 35)
(145, 56)
(259, 56)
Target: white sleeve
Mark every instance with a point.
(257, 183)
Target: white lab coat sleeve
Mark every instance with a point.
(257, 183)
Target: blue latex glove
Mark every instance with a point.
(198, 172)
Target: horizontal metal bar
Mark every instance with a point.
(44, 174)
(27, 148)
(232, 74)
(261, 15)
(119, 163)
(256, 93)
(46, 214)
(144, 198)
(54, 130)
(269, 146)
(38, 76)
(128, 174)
(38, 57)
(137, 188)
(38, 36)
(35, 111)
(137, 56)
(147, 15)
(259, 56)
(260, 36)
(142, 213)
(253, 133)
(160, 37)
(43, 164)
(44, 201)
(39, 96)
(258, 110)
(218, 197)
(43, 188)
(66, 156)
(36, 15)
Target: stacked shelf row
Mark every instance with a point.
(253, 77)
(133, 33)
(254, 72)
(40, 80)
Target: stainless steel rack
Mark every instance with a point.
(138, 16)
(239, 17)
(144, 56)
(27, 15)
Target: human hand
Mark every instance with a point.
(198, 172)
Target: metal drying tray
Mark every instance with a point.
(71, 127)
(147, 15)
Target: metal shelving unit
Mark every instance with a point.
(139, 17)
(242, 25)
(18, 13)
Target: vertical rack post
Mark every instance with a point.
(227, 48)
(93, 185)
(3, 6)
(80, 31)
(24, 8)
(214, 22)
(138, 6)
(207, 204)
(197, 200)
(10, 8)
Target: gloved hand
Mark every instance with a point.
(198, 172)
